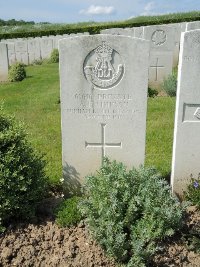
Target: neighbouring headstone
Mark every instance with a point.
(11, 53)
(161, 39)
(139, 32)
(119, 31)
(55, 41)
(186, 148)
(159, 68)
(21, 51)
(46, 45)
(179, 28)
(3, 62)
(34, 50)
(192, 25)
(104, 81)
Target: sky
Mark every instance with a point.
(72, 11)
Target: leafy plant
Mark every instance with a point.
(16, 72)
(152, 92)
(54, 57)
(68, 213)
(130, 211)
(193, 191)
(169, 84)
(22, 178)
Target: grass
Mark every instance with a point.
(35, 102)
(159, 133)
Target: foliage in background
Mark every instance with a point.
(22, 178)
(13, 22)
(54, 57)
(17, 72)
(130, 211)
(193, 192)
(68, 213)
(169, 84)
(42, 29)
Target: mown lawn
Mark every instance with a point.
(35, 101)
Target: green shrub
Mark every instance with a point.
(68, 213)
(152, 92)
(54, 57)
(169, 84)
(193, 192)
(22, 178)
(130, 211)
(16, 72)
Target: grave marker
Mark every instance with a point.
(104, 82)
(186, 148)
(162, 44)
(21, 50)
(3, 62)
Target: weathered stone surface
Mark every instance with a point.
(186, 148)
(3, 62)
(46, 45)
(161, 37)
(119, 31)
(103, 101)
(139, 32)
(34, 50)
(11, 53)
(21, 51)
(159, 68)
(179, 28)
(162, 43)
(192, 25)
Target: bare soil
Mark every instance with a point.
(42, 243)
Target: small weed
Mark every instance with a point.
(68, 213)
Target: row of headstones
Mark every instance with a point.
(164, 46)
(164, 49)
(104, 80)
(27, 50)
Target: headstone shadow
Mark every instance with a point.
(71, 184)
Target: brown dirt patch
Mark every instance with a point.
(44, 244)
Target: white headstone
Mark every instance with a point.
(46, 45)
(3, 62)
(162, 42)
(179, 28)
(161, 37)
(186, 148)
(192, 25)
(159, 68)
(119, 31)
(21, 50)
(34, 52)
(11, 53)
(139, 32)
(104, 82)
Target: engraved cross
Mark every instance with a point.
(156, 66)
(103, 144)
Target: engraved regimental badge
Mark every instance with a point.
(197, 113)
(103, 67)
(159, 37)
